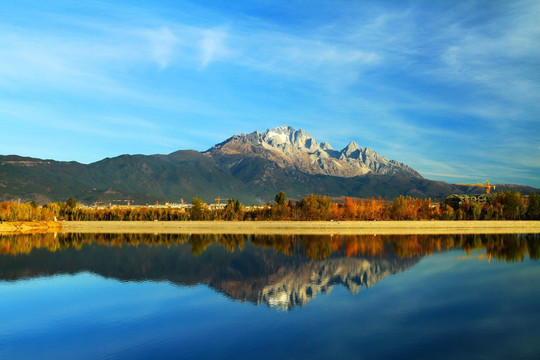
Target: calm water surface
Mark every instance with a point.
(82, 296)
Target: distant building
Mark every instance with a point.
(455, 200)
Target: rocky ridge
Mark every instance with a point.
(290, 148)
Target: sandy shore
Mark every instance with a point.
(25, 227)
(276, 227)
(307, 227)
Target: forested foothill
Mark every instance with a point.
(509, 205)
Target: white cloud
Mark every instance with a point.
(212, 46)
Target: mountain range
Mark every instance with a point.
(252, 168)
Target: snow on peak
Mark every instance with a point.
(282, 129)
(287, 136)
(275, 137)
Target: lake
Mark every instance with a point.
(172, 296)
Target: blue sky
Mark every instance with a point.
(451, 88)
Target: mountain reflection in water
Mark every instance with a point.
(282, 271)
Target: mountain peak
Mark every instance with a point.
(325, 145)
(296, 149)
(351, 148)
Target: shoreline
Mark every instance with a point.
(276, 227)
(303, 227)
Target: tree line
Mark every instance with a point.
(509, 205)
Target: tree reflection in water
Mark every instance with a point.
(505, 247)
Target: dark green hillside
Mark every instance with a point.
(186, 174)
(145, 179)
(183, 174)
(42, 180)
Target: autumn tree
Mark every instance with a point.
(399, 208)
(350, 208)
(314, 207)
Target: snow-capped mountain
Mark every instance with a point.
(298, 150)
(252, 168)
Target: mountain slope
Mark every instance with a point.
(265, 177)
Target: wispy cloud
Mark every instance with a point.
(496, 56)
(162, 43)
(407, 79)
(212, 45)
(311, 59)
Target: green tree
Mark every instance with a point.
(71, 203)
(229, 213)
(280, 198)
(512, 205)
(475, 211)
(533, 208)
(199, 210)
